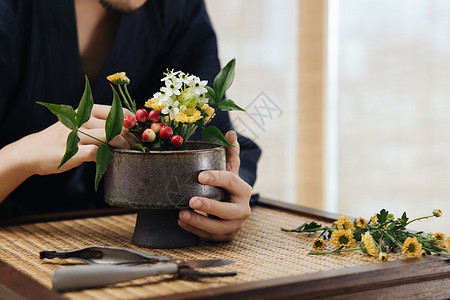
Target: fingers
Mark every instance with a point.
(223, 210)
(209, 228)
(100, 111)
(233, 160)
(227, 180)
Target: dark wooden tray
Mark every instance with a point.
(421, 278)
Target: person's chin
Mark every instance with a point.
(123, 6)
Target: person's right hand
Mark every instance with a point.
(46, 148)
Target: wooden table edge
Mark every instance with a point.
(304, 286)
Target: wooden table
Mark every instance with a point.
(423, 278)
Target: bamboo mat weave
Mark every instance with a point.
(261, 251)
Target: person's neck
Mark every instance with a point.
(96, 27)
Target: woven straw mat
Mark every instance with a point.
(261, 251)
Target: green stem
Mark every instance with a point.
(133, 104)
(392, 239)
(308, 230)
(421, 218)
(125, 98)
(335, 251)
(438, 253)
(93, 137)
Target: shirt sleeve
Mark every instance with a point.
(191, 46)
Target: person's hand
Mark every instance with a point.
(47, 147)
(232, 214)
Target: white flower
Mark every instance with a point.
(171, 88)
(185, 78)
(169, 75)
(203, 98)
(198, 86)
(171, 108)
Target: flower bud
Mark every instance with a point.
(382, 256)
(176, 140)
(141, 115)
(437, 213)
(148, 135)
(188, 98)
(129, 122)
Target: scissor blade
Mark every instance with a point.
(208, 263)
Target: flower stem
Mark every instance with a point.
(335, 251)
(421, 218)
(93, 137)
(308, 230)
(125, 98)
(133, 104)
(392, 239)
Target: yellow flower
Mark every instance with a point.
(190, 115)
(437, 213)
(412, 248)
(360, 223)
(448, 244)
(368, 244)
(342, 238)
(382, 256)
(209, 111)
(153, 104)
(439, 237)
(374, 219)
(319, 244)
(344, 222)
(118, 78)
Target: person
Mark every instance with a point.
(46, 49)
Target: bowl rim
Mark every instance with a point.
(213, 148)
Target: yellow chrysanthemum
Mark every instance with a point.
(344, 222)
(153, 104)
(118, 78)
(440, 238)
(319, 244)
(190, 115)
(382, 256)
(360, 223)
(412, 248)
(374, 219)
(448, 244)
(342, 238)
(209, 111)
(368, 244)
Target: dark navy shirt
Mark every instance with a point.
(40, 61)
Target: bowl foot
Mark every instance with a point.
(158, 228)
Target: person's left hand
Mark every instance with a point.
(232, 214)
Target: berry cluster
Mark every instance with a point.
(149, 129)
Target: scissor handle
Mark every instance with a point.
(94, 276)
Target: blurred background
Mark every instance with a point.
(347, 99)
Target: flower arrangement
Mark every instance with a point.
(378, 237)
(169, 118)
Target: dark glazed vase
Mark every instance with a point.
(159, 184)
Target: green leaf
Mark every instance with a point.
(211, 95)
(71, 147)
(224, 79)
(228, 104)
(114, 121)
(85, 106)
(103, 158)
(138, 147)
(213, 135)
(65, 113)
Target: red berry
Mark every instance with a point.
(154, 115)
(129, 122)
(176, 140)
(156, 127)
(141, 115)
(165, 132)
(148, 135)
